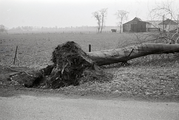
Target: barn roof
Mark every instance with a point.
(136, 19)
(168, 21)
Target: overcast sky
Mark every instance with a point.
(67, 13)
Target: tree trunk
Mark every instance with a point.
(130, 52)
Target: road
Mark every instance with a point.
(27, 107)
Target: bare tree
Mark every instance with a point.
(100, 17)
(2, 29)
(166, 10)
(163, 9)
(103, 16)
(121, 15)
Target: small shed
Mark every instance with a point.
(136, 25)
(168, 25)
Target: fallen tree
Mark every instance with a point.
(111, 56)
(72, 66)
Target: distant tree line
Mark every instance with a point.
(2, 29)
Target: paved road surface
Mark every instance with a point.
(62, 108)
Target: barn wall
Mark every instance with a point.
(168, 27)
(127, 27)
(137, 26)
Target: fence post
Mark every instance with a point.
(89, 47)
(15, 55)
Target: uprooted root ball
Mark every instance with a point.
(69, 63)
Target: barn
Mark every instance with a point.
(168, 25)
(136, 25)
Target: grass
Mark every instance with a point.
(153, 76)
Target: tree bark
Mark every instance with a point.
(111, 56)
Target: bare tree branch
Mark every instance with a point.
(163, 8)
(100, 17)
(166, 10)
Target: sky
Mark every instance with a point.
(70, 13)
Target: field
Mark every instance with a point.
(154, 76)
(36, 49)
